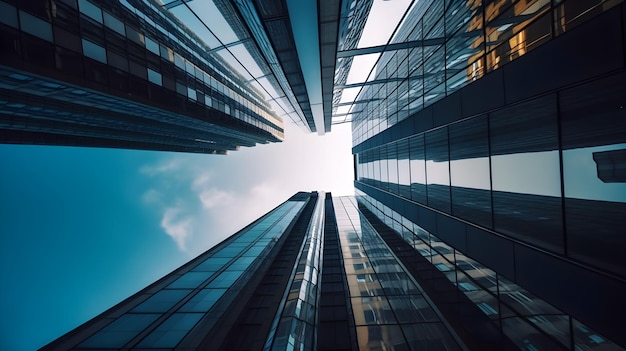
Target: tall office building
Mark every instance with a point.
(324, 273)
(143, 75)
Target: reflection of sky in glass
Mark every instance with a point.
(581, 177)
(404, 176)
(197, 27)
(382, 21)
(418, 171)
(240, 52)
(238, 67)
(471, 173)
(361, 67)
(437, 173)
(527, 173)
(213, 17)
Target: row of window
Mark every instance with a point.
(527, 320)
(505, 171)
(179, 131)
(195, 292)
(388, 306)
(137, 54)
(455, 49)
(296, 324)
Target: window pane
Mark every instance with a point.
(437, 169)
(120, 331)
(114, 24)
(418, 168)
(35, 26)
(171, 332)
(526, 172)
(469, 169)
(190, 280)
(203, 301)
(154, 77)
(161, 301)
(8, 14)
(90, 10)
(404, 170)
(94, 51)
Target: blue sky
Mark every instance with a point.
(84, 228)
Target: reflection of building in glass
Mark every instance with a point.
(479, 128)
(323, 273)
(130, 74)
(611, 165)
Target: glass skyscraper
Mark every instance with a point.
(498, 128)
(137, 74)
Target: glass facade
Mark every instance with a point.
(530, 322)
(479, 147)
(390, 309)
(441, 46)
(174, 87)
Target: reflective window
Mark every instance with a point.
(372, 310)
(135, 36)
(430, 335)
(437, 169)
(225, 279)
(152, 45)
(203, 301)
(392, 166)
(418, 168)
(121, 331)
(469, 170)
(91, 10)
(8, 15)
(381, 337)
(155, 77)
(35, 26)
(94, 51)
(404, 170)
(364, 285)
(114, 23)
(170, 332)
(190, 280)
(212, 264)
(526, 173)
(161, 301)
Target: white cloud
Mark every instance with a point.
(203, 199)
(176, 227)
(211, 198)
(202, 179)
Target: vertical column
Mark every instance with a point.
(335, 324)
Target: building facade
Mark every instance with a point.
(324, 273)
(130, 74)
(498, 127)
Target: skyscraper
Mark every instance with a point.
(138, 74)
(499, 129)
(324, 273)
